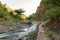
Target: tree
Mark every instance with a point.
(18, 15)
(19, 11)
(32, 16)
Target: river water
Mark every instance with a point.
(11, 35)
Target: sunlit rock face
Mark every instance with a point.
(23, 16)
(5, 6)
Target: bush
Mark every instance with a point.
(31, 34)
(52, 13)
(48, 32)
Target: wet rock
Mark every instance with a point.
(12, 27)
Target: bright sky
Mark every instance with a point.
(29, 6)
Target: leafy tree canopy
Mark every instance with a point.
(19, 11)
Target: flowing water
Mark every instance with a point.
(11, 35)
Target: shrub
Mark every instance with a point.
(52, 13)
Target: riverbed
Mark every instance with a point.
(17, 34)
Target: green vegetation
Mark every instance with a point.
(4, 15)
(18, 15)
(19, 11)
(32, 17)
(48, 32)
(53, 9)
(53, 2)
(53, 13)
(7, 17)
(47, 9)
(31, 34)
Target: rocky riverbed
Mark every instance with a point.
(13, 30)
(13, 27)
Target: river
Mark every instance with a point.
(18, 34)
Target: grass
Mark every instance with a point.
(48, 32)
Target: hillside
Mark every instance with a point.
(8, 15)
(4, 15)
(50, 10)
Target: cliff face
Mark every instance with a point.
(54, 23)
(44, 6)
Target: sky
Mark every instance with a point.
(29, 6)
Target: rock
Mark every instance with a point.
(12, 27)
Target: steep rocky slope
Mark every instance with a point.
(41, 11)
(54, 23)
